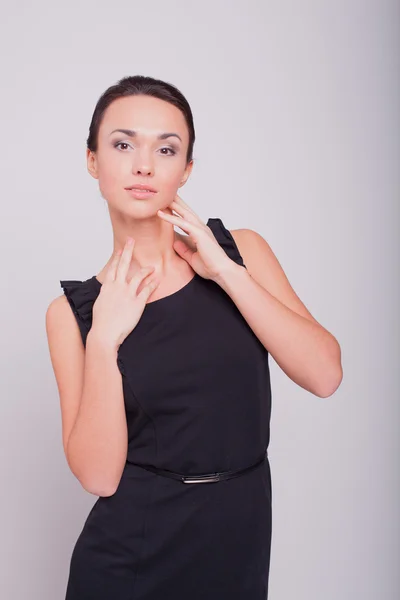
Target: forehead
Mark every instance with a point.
(145, 114)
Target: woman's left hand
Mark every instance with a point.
(209, 259)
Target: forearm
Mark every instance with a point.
(304, 350)
(97, 445)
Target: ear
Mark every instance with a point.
(186, 173)
(91, 163)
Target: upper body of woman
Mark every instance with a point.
(142, 134)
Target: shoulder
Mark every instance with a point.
(257, 254)
(57, 306)
(264, 266)
(57, 313)
(251, 243)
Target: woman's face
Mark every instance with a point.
(124, 159)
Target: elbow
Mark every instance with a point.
(95, 486)
(91, 484)
(331, 385)
(104, 493)
(98, 490)
(333, 372)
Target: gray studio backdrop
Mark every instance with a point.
(296, 108)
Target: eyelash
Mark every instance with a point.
(164, 148)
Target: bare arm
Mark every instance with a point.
(307, 352)
(95, 435)
(91, 397)
(97, 445)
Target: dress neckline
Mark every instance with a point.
(164, 299)
(226, 241)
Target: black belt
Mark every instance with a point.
(203, 478)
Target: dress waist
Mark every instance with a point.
(204, 477)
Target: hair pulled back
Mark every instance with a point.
(140, 85)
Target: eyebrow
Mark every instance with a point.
(131, 133)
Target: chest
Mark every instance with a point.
(188, 355)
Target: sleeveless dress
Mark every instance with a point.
(197, 399)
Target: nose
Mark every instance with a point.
(142, 164)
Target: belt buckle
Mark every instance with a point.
(194, 479)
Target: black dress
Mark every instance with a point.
(197, 399)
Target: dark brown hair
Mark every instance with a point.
(140, 85)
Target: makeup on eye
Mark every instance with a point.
(172, 149)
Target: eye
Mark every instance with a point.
(170, 149)
(173, 152)
(120, 143)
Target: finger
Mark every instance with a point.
(139, 276)
(148, 290)
(182, 223)
(125, 261)
(183, 250)
(112, 267)
(179, 200)
(187, 214)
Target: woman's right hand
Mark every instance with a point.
(118, 307)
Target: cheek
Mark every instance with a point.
(111, 176)
(168, 179)
(170, 186)
(108, 184)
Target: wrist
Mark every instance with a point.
(99, 340)
(229, 272)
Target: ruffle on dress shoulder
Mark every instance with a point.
(225, 240)
(81, 296)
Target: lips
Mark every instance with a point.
(142, 188)
(140, 193)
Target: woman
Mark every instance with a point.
(161, 361)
